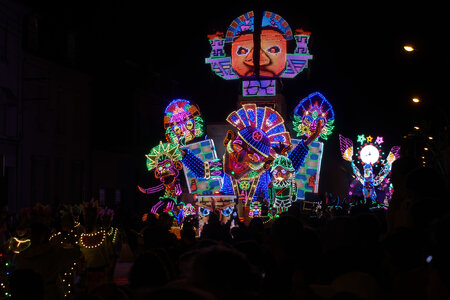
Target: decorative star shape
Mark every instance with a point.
(361, 139)
(369, 139)
(379, 140)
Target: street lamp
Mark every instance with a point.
(408, 48)
(415, 100)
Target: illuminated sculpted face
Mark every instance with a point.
(281, 174)
(242, 160)
(167, 171)
(272, 54)
(182, 122)
(222, 206)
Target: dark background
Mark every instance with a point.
(358, 63)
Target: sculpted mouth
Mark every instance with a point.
(166, 179)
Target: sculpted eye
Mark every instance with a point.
(242, 51)
(189, 124)
(176, 129)
(273, 50)
(254, 157)
(237, 147)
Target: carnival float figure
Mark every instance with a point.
(165, 160)
(313, 119)
(250, 152)
(369, 156)
(282, 188)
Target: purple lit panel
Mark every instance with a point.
(258, 88)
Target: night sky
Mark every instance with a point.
(358, 60)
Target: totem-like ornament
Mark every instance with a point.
(369, 155)
(282, 188)
(182, 122)
(258, 54)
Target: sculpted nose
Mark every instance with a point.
(249, 59)
(264, 60)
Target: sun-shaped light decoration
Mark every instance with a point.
(369, 151)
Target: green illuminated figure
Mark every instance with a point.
(282, 188)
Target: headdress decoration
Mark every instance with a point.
(261, 127)
(314, 107)
(245, 23)
(161, 152)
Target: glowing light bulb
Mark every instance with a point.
(415, 100)
(408, 48)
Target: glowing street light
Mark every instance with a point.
(426, 149)
(408, 48)
(415, 100)
(430, 138)
(416, 127)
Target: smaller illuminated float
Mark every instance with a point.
(370, 157)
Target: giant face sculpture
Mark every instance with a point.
(182, 122)
(271, 56)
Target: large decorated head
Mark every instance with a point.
(182, 122)
(268, 58)
(165, 160)
(313, 111)
(250, 150)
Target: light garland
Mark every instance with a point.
(83, 235)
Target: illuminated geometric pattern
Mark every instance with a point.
(307, 176)
(206, 151)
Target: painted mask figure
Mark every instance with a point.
(182, 121)
(282, 188)
(167, 171)
(242, 158)
(165, 160)
(271, 56)
(312, 111)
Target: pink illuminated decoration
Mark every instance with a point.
(183, 122)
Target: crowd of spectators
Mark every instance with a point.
(355, 252)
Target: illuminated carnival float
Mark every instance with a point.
(373, 183)
(263, 171)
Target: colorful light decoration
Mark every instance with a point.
(165, 160)
(183, 122)
(307, 114)
(282, 188)
(369, 156)
(272, 59)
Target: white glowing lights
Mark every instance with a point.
(369, 154)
